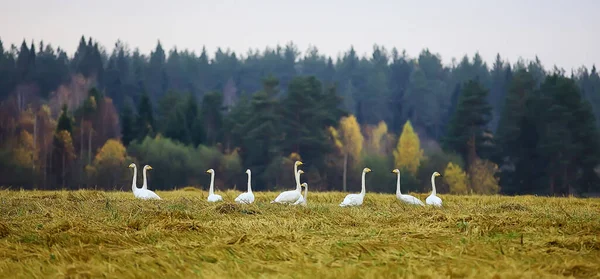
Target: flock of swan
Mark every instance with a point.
(292, 197)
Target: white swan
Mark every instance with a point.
(143, 194)
(302, 200)
(356, 199)
(405, 198)
(433, 199)
(298, 173)
(212, 197)
(247, 197)
(292, 195)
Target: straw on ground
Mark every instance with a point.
(97, 234)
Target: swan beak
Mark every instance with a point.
(299, 163)
(208, 171)
(149, 167)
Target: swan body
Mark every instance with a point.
(408, 199)
(247, 197)
(212, 197)
(356, 199)
(291, 196)
(142, 193)
(433, 199)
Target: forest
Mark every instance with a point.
(77, 121)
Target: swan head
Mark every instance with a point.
(366, 170)
(147, 167)
(298, 163)
(210, 171)
(396, 171)
(131, 166)
(248, 171)
(300, 171)
(304, 184)
(436, 174)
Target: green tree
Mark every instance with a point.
(127, 118)
(262, 132)
(500, 80)
(467, 131)
(65, 122)
(145, 120)
(568, 143)
(212, 116)
(307, 111)
(517, 136)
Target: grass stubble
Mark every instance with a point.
(91, 234)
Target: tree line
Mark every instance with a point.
(75, 121)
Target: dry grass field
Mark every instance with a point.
(95, 234)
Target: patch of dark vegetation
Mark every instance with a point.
(513, 207)
(4, 230)
(227, 208)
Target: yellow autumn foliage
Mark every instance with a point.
(408, 153)
(351, 136)
(378, 137)
(112, 152)
(482, 177)
(295, 156)
(456, 178)
(335, 137)
(108, 166)
(24, 155)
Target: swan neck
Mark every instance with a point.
(297, 177)
(433, 192)
(363, 190)
(398, 185)
(305, 192)
(249, 184)
(134, 183)
(145, 185)
(212, 184)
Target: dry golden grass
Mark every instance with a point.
(91, 234)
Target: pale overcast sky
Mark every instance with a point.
(560, 32)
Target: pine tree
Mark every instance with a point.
(262, 134)
(500, 76)
(145, 120)
(212, 116)
(568, 142)
(127, 119)
(467, 131)
(307, 111)
(65, 122)
(64, 152)
(517, 136)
